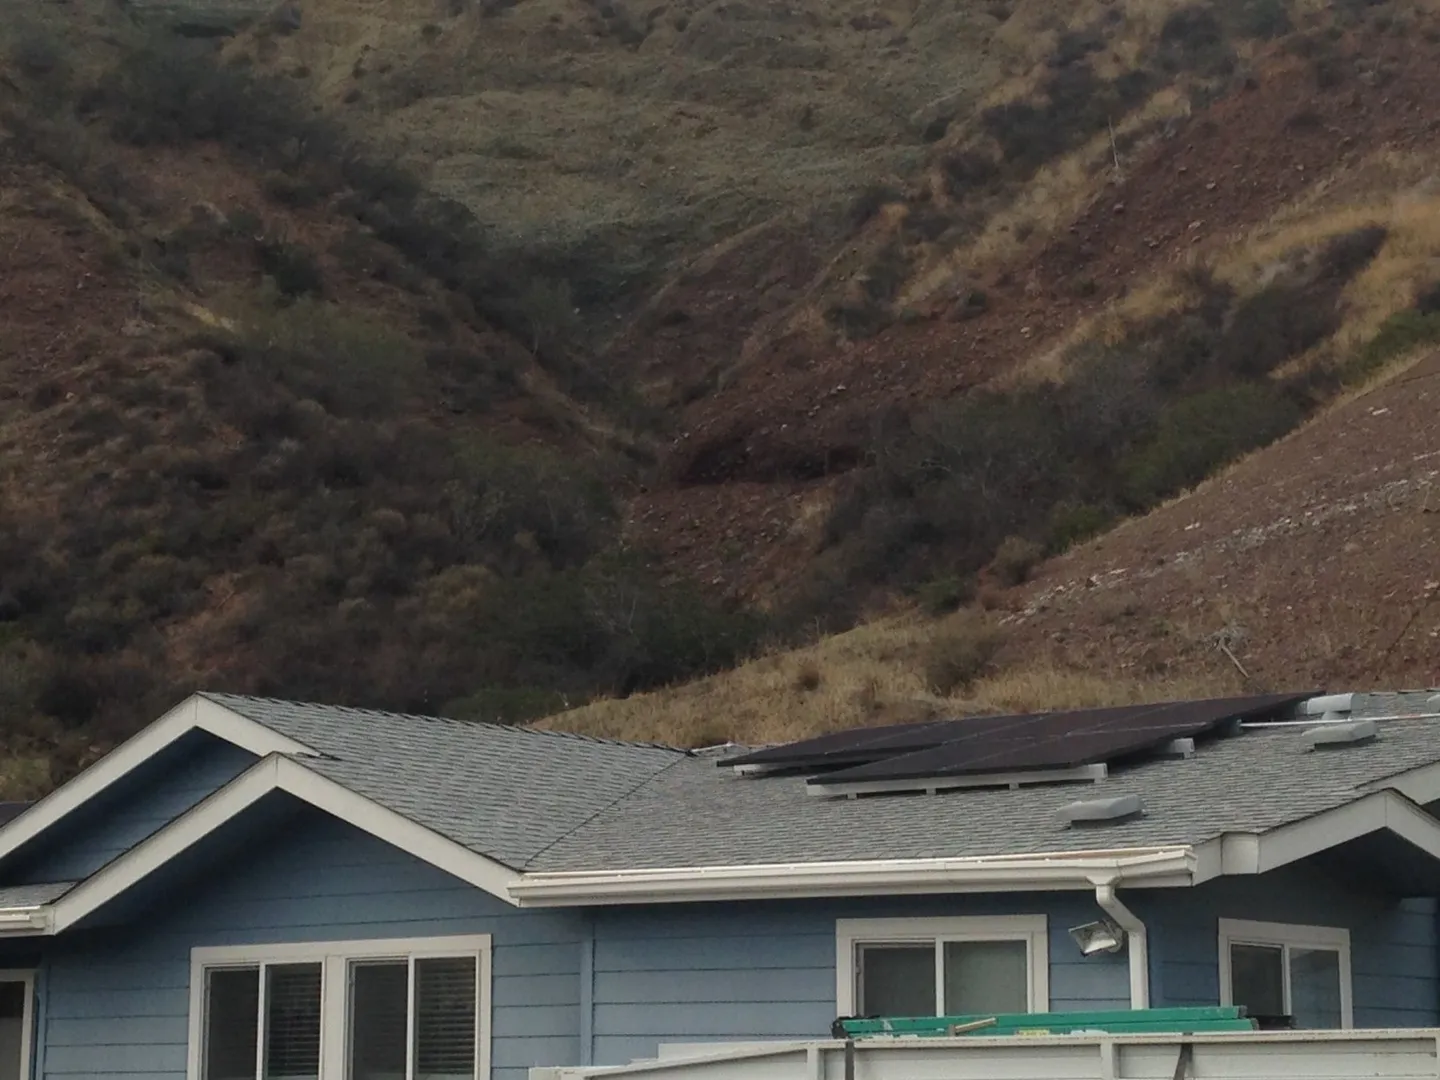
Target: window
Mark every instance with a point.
(1275, 969)
(377, 1010)
(17, 996)
(941, 967)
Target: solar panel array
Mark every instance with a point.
(1013, 743)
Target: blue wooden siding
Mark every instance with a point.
(135, 808)
(706, 972)
(1393, 943)
(116, 998)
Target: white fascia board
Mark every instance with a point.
(195, 713)
(1257, 853)
(1420, 785)
(276, 773)
(1157, 867)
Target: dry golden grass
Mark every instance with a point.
(869, 676)
(1390, 189)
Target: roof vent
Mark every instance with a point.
(1356, 731)
(1328, 703)
(1112, 809)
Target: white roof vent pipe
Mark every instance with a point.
(1327, 703)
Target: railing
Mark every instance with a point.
(1382, 1054)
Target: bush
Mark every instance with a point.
(1076, 105)
(293, 267)
(298, 192)
(967, 172)
(509, 499)
(315, 350)
(166, 94)
(871, 200)
(1199, 434)
(1264, 19)
(1346, 254)
(1280, 321)
(959, 652)
(1397, 335)
(943, 594)
(1192, 39)
(1072, 523)
(1015, 558)
(507, 704)
(610, 625)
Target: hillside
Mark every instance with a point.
(268, 419)
(1308, 565)
(492, 358)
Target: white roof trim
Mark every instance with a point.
(1170, 866)
(1257, 853)
(275, 773)
(1420, 785)
(195, 713)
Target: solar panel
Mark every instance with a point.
(861, 745)
(1061, 740)
(841, 747)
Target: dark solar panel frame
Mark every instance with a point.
(1064, 740)
(842, 747)
(862, 745)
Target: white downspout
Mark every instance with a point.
(1136, 941)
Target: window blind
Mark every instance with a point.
(232, 1009)
(292, 1022)
(445, 1018)
(379, 993)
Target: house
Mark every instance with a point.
(256, 888)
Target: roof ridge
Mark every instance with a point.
(215, 695)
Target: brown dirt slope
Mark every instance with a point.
(1314, 562)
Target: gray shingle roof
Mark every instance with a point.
(24, 896)
(545, 801)
(504, 791)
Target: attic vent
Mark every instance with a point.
(1112, 809)
(1348, 734)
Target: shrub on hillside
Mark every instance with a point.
(946, 592)
(959, 652)
(1399, 334)
(1199, 434)
(1261, 18)
(1072, 523)
(317, 351)
(871, 200)
(166, 94)
(508, 498)
(1133, 423)
(1075, 104)
(293, 267)
(1192, 39)
(1014, 559)
(506, 704)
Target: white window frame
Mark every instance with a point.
(850, 934)
(335, 958)
(25, 976)
(1285, 936)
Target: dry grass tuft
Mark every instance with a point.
(871, 676)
